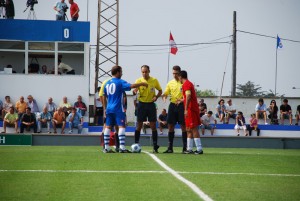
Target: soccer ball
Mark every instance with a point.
(135, 148)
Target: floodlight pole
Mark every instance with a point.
(233, 86)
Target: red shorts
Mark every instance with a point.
(192, 120)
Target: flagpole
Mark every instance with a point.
(169, 61)
(276, 73)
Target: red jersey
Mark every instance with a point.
(73, 9)
(188, 86)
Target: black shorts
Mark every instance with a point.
(176, 114)
(146, 111)
(99, 111)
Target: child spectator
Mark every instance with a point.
(253, 125)
(240, 124)
(206, 119)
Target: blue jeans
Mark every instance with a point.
(75, 125)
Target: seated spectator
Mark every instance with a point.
(221, 110)
(146, 124)
(98, 108)
(297, 115)
(59, 119)
(286, 112)
(51, 106)
(253, 125)
(75, 120)
(66, 69)
(21, 106)
(230, 111)
(44, 70)
(10, 66)
(66, 106)
(240, 124)
(273, 110)
(32, 104)
(6, 106)
(44, 119)
(80, 106)
(261, 110)
(206, 120)
(11, 119)
(202, 107)
(28, 121)
(162, 120)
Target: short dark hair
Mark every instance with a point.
(145, 66)
(209, 112)
(183, 74)
(240, 113)
(261, 100)
(177, 68)
(285, 100)
(115, 70)
(7, 97)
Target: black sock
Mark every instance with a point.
(171, 139)
(154, 138)
(184, 139)
(137, 135)
(117, 142)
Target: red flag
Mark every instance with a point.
(173, 46)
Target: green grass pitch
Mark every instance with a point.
(85, 173)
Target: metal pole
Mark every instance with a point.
(117, 35)
(168, 64)
(233, 86)
(97, 47)
(276, 74)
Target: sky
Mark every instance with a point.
(200, 21)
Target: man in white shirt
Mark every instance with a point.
(206, 119)
(65, 68)
(230, 111)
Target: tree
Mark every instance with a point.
(205, 93)
(249, 90)
(271, 94)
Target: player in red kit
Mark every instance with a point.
(191, 113)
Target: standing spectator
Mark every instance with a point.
(162, 120)
(202, 107)
(286, 112)
(176, 110)
(206, 120)
(297, 115)
(261, 110)
(32, 104)
(65, 68)
(240, 124)
(10, 9)
(59, 119)
(191, 113)
(75, 120)
(11, 118)
(273, 110)
(60, 8)
(253, 125)
(146, 106)
(51, 106)
(21, 106)
(80, 106)
(66, 106)
(74, 10)
(1, 108)
(6, 106)
(44, 119)
(221, 110)
(114, 107)
(230, 111)
(28, 121)
(98, 108)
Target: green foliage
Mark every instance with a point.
(249, 89)
(271, 93)
(205, 93)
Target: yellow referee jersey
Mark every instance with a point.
(174, 89)
(146, 94)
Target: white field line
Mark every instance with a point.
(195, 188)
(152, 171)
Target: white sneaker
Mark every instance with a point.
(70, 132)
(266, 123)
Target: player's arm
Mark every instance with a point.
(157, 96)
(166, 93)
(188, 101)
(136, 85)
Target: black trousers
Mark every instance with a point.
(25, 126)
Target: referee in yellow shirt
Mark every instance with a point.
(176, 109)
(146, 106)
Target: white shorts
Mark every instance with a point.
(240, 127)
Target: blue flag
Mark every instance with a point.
(279, 44)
